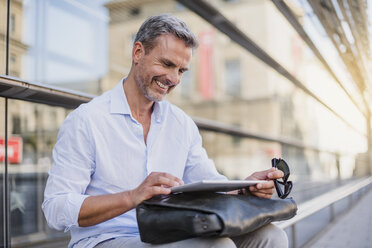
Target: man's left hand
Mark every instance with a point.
(267, 189)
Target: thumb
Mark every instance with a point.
(262, 175)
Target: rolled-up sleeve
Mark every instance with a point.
(73, 165)
(198, 165)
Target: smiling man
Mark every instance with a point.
(129, 144)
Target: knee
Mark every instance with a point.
(273, 236)
(219, 243)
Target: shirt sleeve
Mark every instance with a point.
(198, 165)
(73, 164)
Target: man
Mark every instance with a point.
(128, 145)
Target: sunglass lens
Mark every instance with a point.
(283, 167)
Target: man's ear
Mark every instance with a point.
(138, 52)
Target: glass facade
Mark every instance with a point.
(3, 214)
(3, 30)
(32, 131)
(3, 63)
(86, 47)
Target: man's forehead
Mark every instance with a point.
(168, 39)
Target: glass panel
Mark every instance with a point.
(268, 28)
(3, 16)
(17, 47)
(87, 47)
(315, 30)
(268, 103)
(233, 77)
(63, 43)
(239, 158)
(2, 168)
(32, 133)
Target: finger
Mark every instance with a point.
(144, 193)
(264, 185)
(176, 179)
(275, 174)
(150, 192)
(264, 191)
(170, 176)
(169, 182)
(261, 175)
(159, 190)
(254, 189)
(155, 190)
(262, 195)
(156, 178)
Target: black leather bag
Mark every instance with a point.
(164, 219)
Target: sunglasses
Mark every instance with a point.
(283, 186)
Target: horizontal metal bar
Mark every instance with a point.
(219, 21)
(292, 19)
(15, 88)
(40, 239)
(40, 93)
(316, 204)
(210, 125)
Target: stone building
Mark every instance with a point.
(226, 83)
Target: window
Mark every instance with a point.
(187, 84)
(13, 58)
(135, 11)
(233, 77)
(16, 124)
(12, 23)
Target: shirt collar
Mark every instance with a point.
(119, 103)
(158, 111)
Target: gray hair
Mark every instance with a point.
(164, 24)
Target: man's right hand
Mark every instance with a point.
(96, 209)
(157, 183)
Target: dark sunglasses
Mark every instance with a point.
(283, 186)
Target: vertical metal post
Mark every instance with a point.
(6, 200)
(293, 229)
(332, 212)
(7, 38)
(6, 183)
(338, 166)
(369, 142)
(350, 201)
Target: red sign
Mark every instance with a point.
(206, 80)
(14, 150)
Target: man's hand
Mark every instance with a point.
(267, 189)
(157, 183)
(96, 209)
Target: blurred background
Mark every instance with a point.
(270, 78)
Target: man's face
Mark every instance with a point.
(159, 71)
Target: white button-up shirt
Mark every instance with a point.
(101, 150)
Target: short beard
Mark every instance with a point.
(145, 89)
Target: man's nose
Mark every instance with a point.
(174, 77)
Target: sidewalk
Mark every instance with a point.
(353, 229)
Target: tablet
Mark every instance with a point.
(215, 186)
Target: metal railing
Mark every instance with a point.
(327, 200)
(15, 88)
(213, 16)
(40, 93)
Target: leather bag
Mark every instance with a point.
(170, 218)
